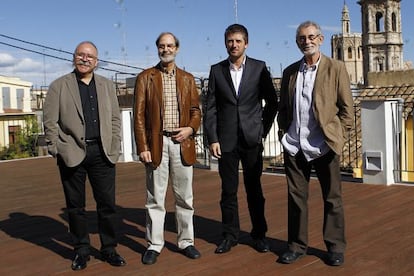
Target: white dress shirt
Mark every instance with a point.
(236, 74)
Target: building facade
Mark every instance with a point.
(381, 35)
(347, 46)
(15, 104)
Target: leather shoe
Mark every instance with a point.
(225, 246)
(150, 257)
(335, 259)
(191, 252)
(261, 245)
(113, 259)
(80, 262)
(291, 256)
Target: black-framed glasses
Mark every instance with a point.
(84, 55)
(303, 38)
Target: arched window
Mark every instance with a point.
(394, 22)
(380, 64)
(339, 53)
(349, 52)
(379, 22)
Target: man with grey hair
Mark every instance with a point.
(167, 115)
(82, 127)
(315, 115)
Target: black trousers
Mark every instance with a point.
(298, 172)
(101, 175)
(252, 163)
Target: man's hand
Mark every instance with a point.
(182, 133)
(145, 157)
(215, 150)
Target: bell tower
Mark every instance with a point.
(347, 46)
(382, 41)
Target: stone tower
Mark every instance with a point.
(347, 47)
(382, 41)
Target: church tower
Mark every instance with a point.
(381, 35)
(347, 47)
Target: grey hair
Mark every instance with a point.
(177, 42)
(86, 42)
(308, 24)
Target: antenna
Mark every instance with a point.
(235, 11)
(120, 25)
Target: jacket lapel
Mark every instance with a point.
(292, 82)
(180, 88)
(319, 76)
(73, 88)
(246, 74)
(227, 76)
(157, 89)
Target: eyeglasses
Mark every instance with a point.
(312, 37)
(164, 46)
(83, 56)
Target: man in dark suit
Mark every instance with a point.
(82, 127)
(315, 114)
(236, 122)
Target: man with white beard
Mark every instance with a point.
(166, 117)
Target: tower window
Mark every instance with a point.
(338, 53)
(394, 22)
(350, 53)
(379, 22)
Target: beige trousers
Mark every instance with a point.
(157, 183)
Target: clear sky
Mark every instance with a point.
(125, 32)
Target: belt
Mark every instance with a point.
(169, 133)
(90, 142)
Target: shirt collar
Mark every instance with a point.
(233, 67)
(164, 69)
(305, 68)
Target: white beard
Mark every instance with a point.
(167, 58)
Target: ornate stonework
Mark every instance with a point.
(347, 47)
(381, 35)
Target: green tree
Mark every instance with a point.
(26, 141)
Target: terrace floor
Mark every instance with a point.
(35, 241)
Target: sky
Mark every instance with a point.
(38, 37)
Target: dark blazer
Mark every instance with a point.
(64, 123)
(332, 100)
(148, 113)
(226, 112)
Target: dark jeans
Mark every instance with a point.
(298, 172)
(252, 163)
(101, 175)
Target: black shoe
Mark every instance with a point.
(150, 257)
(335, 259)
(113, 259)
(191, 252)
(261, 245)
(225, 246)
(80, 262)
(291, 257)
